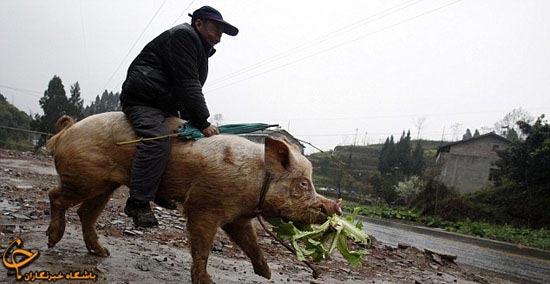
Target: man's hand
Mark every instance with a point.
(210, 131)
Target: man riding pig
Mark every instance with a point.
(166, 79)
(218, 181)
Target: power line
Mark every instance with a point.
(26, 130)
(373, 133)
(338, 45)
(183, 12)
(29, 92)
(340, 118)
(316, 41)
(84, 40)
(133, 45)
(173, 23)
(356, 117)
(21, 90)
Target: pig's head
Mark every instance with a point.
(291, 194)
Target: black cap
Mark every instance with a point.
(209, 13)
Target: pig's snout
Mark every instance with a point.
(330, 207)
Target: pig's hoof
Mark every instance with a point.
(54, 236)
(203, 278)
(98, 250)
(263, 271)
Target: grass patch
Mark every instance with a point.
(537, 238)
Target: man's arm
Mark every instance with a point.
(183, 65)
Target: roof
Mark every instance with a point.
(490, 134)
(277, 132)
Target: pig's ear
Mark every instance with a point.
(277, 155)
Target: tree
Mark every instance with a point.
(217, 118)
(383, 163)
(397, 158)
(512, 135)
(467, 135)
(108, 101)
(528, 162)
(511, 119)
(11, 116)
(418, 164)
(409, 189)
(476, 134)
(388, 159)
(419, 123)
(75, 103)
(523, 185)
(54, 103)
(455, 128)
(384, 187)
(403, 152)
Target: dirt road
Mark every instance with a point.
(161, 255)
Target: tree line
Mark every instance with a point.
(399, 158)
(520, 194)
(12, 117)
(54, 104)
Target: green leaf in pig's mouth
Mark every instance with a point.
(318, 242)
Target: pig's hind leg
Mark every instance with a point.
(243, 234)
(89, 212)
(60, 201)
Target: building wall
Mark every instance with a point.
(467, 166)
(482, 147)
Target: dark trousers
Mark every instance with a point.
(151, 156)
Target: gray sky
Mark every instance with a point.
(324, 69)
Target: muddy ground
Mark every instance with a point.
(161, 255)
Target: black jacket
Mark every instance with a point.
(169, 74)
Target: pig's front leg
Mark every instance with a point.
(243, 234)
(202, 228)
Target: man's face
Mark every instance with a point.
(210, 30)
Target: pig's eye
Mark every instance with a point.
(304, 184)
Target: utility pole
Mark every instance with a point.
(442, 136)
(352, 147)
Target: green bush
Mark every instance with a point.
(538, 238)
(384, 187)
(431, 199)
(512, 203)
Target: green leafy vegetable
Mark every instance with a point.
(318, 242)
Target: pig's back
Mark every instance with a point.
(89, 148)
(220, 152)
(222, 166)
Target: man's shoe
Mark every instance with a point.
(141, 214)
(165, 203)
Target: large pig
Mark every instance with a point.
(217, 180)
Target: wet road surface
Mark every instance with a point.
(532, 267)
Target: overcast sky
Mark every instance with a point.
(325, 70)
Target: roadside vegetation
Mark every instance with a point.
(405, 187)
(537, 238)
(394, 180)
